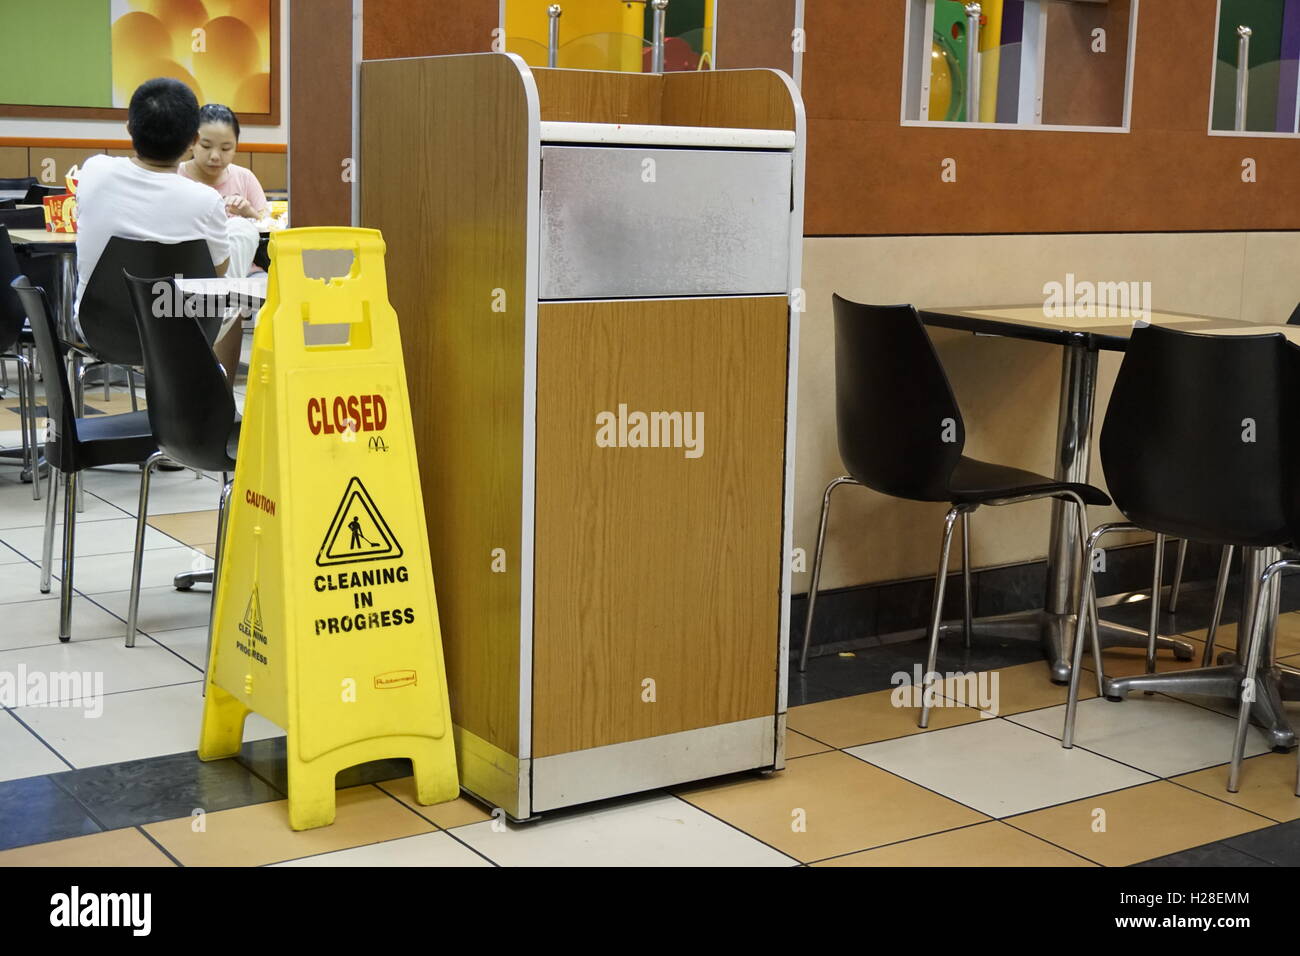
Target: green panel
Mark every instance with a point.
(683, 17)
(1264, 17)
(56, 54)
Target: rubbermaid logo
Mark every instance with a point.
(393, 679)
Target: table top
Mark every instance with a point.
(13, 193)
(32, 237)
(1101, 332)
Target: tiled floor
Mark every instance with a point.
(112, 778)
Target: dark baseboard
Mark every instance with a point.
(860, 616)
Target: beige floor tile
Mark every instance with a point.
(128, 847)
(1020, 688)
(193, 528)
(985, 844)
(797, 745)
(1267, 785)
(454, 813)
(1141, 823)
(867, 718)
(252, 836)
(829, 804)
(1287, 642)
(1128, 661)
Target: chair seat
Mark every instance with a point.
(974, 481)
(232, 443)
(109, 440)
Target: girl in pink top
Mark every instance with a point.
(212, 166)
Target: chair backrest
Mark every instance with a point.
(58, 396)
(12, 314)
(1295, 316)
(22, 218)
(36, 193)
(900, 429)
(21, 182)
(191, 410)
(105, 314)
(1201, 438)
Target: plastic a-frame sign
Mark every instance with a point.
(325, 620)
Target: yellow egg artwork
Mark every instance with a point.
(229, 58)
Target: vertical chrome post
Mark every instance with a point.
(660, 8)
(1073, 444)
(553, 41)
(973, 13)
(1243, 75)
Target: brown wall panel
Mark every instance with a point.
(320, 111)
(395, 28)
(1085, 87)
(755, 33)
(13, 162)
(868, 175)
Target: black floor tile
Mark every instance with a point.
(138, 792)
(267, 759)
(1212, 854)
(1278, 845)
(35, 810)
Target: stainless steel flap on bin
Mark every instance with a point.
(634, 221)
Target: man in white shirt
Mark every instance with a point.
(143, 197)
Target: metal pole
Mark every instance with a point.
(1243, 75)
(973, 14)
(553, 44)
(660, 8)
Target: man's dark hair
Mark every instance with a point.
(216, 113)
(163, 119)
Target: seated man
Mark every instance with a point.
(143, 197)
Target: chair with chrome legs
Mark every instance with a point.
(901, 434)
(12, 319)
(191, 409)
(77, 443)
(1182, 400)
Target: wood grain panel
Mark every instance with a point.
(1084, 87)
(64, 159)
(456, 235)
(271, 170)
(620, 595)
(750, 99)
(590, 96)
(320, 113)
(755, 33)
(13, 162)
(867, 175)
(396, 28)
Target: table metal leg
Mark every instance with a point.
(1224, 681)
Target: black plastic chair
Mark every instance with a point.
(36, 193)
(1182, 400)
(12, 346)
(15, 183)
(77, 443)
(190, 406)
(105, 317)
(901, 434)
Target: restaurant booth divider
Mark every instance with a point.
(594, 274)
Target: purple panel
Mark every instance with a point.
(1289, 73)
(1013, 29)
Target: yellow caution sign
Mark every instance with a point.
(325, 618)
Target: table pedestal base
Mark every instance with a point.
(1055, 632)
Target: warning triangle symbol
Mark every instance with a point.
(253, 613)
(358, 531)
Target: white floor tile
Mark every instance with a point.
(113, 664)
(132, 726)
(22, 582)
(19, 510)
(163, 608)
(102, 573)
(189, 642)
(9, 556)
(998, 768)
(426, 849)
(113, 536)
(1158, 734)
(169, 491)
(36, 623)
(24, 754)
(647, 831)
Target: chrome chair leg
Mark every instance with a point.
(1177, 584)
(1253, 651)
(27, 376)
(1087, 599)
(965, 576)
(130, 384)
(71, 480)
(47, 553)
(1153, 628)
(936, 616)
(137, 567)
(1220, 589)
(223, 518)
(108, 381)
(816, 568)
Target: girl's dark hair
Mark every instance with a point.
(216, 113)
